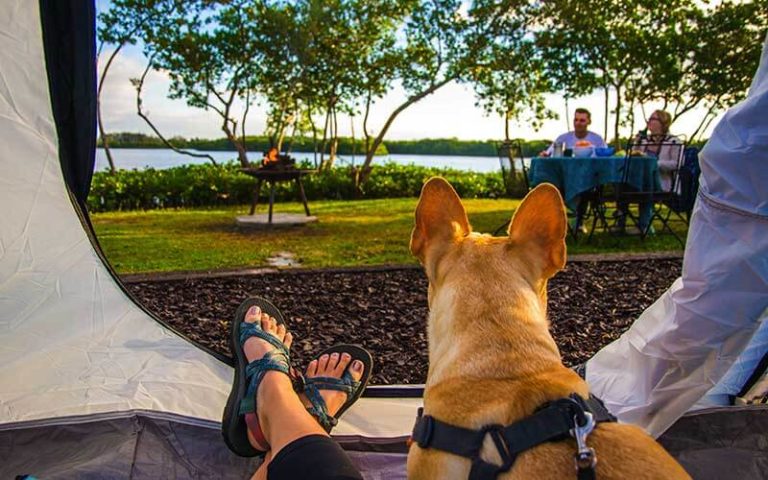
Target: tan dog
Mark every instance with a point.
(491, 357)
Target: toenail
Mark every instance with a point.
(345, 356)
(334, 355)
(254, 310)
(357, 366)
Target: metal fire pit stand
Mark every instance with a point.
(272, 176)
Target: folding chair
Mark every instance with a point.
(682, 203)
(648, 196)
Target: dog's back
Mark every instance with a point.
(492, 359)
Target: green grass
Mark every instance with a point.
(359, 233)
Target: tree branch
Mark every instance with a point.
(139, 83)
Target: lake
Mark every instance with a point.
(141, 158)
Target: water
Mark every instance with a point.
(141, 158)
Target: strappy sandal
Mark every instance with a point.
(353, 389)
(240, 410)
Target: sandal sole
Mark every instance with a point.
(233, 426)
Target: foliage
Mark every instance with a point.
(306, 59)
(682, 52)
(207, 185)
(714, 57)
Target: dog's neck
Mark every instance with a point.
(508, 326)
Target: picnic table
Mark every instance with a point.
(273, 176)
(574, 176)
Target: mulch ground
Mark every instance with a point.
(591, 303)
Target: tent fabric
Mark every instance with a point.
(713, 317)
(710, 444)
(721, 443)
(151, 445)
(70, 56)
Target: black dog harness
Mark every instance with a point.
(567, 417)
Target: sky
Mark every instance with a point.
(449, 112)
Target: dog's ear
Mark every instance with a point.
(440, 217)
(541, 220)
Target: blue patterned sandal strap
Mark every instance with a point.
(248, 330)
(319, 408)
(255, 371)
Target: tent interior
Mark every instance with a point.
(92, 385)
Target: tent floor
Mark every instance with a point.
(711, 444)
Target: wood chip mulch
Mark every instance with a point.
(590, 304)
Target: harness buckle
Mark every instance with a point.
(585, 457)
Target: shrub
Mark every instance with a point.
(208, 185)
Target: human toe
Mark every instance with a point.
(312, 368)
(253, 314)
(342, 364)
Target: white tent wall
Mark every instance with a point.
(685, 343)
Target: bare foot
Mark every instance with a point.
(333, 365)
(255, 348)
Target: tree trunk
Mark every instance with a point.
(139, 83)
(102, 133)
(334, 140)
(365, 172)
(325, 139)
(606, 110)
(352, 128)
(617, 121)
(242, 153)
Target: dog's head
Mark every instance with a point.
(477, 265)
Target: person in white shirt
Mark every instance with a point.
(581, 120)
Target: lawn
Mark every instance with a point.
(348, 233)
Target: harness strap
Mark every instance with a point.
(553, 421)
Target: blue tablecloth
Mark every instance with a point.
(575, 175)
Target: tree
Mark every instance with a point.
(508, 75)
(119, 26)
(209, 52)
(608, 44)
(714, 56)
(443, 40)
(326, 53)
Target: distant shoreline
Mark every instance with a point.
(346, 145)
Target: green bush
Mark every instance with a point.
(208, 185)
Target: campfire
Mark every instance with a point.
(274, 160)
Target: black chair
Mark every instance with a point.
(658, 200)
(510, 154)
(681, 204)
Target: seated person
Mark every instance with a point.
(655, 141)
(581, 120)
(658, 142)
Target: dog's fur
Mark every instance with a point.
(491, 357)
